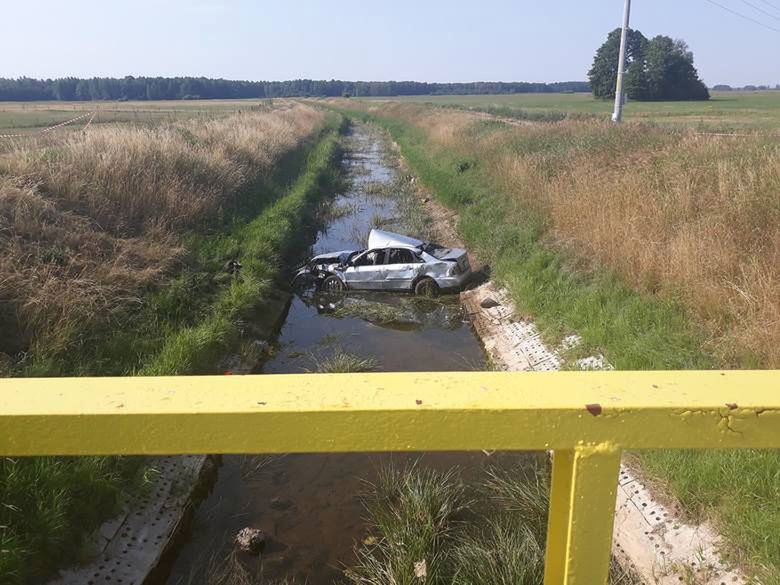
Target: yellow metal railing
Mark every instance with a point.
(586, 418)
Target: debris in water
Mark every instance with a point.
(250, 540)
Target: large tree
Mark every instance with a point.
(603, 74)
(670, 72)
(657, 69)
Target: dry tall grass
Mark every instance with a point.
(87, 222)
(674, 213)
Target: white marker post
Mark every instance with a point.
(617, 115)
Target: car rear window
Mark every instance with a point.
(401, 256)
(436, 251)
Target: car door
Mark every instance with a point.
(367, 271)
(403, 266)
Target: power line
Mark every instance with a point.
(760, 9)
(735, 13)
(775, 6)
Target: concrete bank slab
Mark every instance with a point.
(131, 547)
(658, 545)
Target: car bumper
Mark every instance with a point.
(453, 283)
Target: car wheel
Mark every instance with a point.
(332, 284)
(426, 287)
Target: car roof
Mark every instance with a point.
(383, 239)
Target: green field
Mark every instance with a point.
(29, 117)
(726, 110)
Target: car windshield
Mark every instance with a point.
(352, 255)
(435, 250)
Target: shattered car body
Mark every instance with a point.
(391, 262)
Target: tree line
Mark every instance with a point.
(725, 87)
(176, 88)
(660, 68)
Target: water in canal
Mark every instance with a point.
(308, 504)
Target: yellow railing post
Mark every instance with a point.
(582, 508)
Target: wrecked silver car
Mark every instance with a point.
(390, 262)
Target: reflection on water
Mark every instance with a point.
(402, 332)
(308, 504)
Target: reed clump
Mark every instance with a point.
(436, 527)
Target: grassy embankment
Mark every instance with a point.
(660, 248)
(114, 263)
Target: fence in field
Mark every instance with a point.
(586, 418)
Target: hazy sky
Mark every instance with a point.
(454, 40)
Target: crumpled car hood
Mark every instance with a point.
(382, 239)
(332, 257)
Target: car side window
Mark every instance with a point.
(401, 256)
(379, 257)
(371, 258)
(362, 261)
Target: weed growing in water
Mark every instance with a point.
(231, 570)
(413, 513)
(253, 466)
(378, 221)
(431, 527)
(342, 362)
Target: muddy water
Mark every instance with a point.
(309, 504)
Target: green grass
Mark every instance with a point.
(49, 505)
(342, 362)
(737, 490)
(740, 490)
(726, 110)
(264, 245)
(489, 530)
(412, 512)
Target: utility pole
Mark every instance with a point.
(617, 115)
